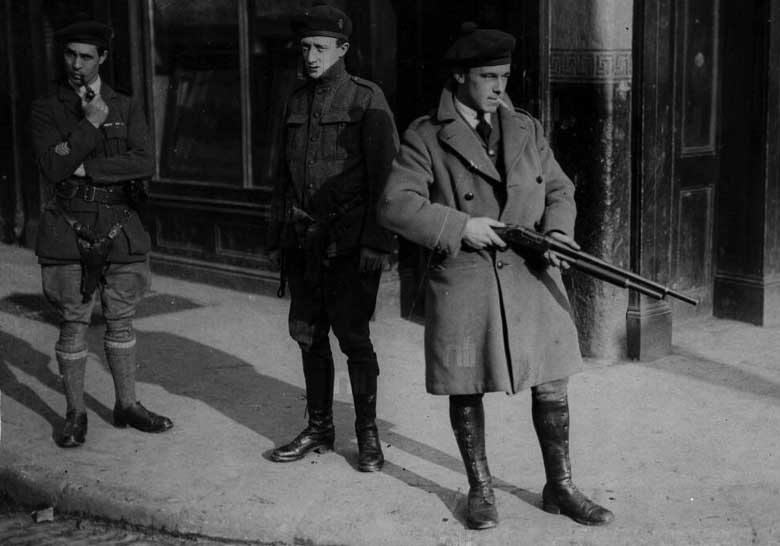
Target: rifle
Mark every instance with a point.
(524, 238)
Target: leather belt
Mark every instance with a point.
(108, 195)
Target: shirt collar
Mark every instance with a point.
(468, 114)
(95, 86)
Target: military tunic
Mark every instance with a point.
(117, 151)
(340, 140)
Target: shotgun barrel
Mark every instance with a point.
(526, 238)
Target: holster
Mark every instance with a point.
(93, 252)
(94, 258)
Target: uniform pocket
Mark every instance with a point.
(340, 134)
(116, 129)
(55, 238)
(296, 139)
(138, 240)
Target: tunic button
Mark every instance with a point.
(313, 138)
(491, 153)
(499, 264)
(469, 196)
(539, 179)
(316, 114)
(311, 162)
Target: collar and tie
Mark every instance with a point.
(483, 127)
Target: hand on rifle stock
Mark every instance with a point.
(479, 233)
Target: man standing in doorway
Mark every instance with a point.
(495, 320)
(92, 149)
(340, 141)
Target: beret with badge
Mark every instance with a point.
(322, 20)
(480, 47)
(86, 31)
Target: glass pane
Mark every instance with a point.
(275, 69)
(701, 72)
(197, 90)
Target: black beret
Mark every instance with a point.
(322, 20)
(480, 47)
(86, 32)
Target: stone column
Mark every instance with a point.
(590, 124)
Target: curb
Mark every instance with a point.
(32, 487)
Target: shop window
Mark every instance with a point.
(197, 90)
(275, 69)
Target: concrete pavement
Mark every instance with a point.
(684, 450)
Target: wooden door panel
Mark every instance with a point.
(700, 59)
(696, 153)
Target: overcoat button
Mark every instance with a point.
(469, 196)
(499, 264)
(539, 179)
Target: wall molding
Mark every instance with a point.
(596, 65)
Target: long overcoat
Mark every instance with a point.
(495, 320)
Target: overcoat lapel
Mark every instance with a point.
(514, 137)
(458, 136)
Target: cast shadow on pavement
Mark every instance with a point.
(19, 354)
(717, 373)
(270, 407)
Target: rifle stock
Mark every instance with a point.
(525, 238)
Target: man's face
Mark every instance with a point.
(82, 63)
(320, 53)
(480, 88)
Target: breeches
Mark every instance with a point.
(121, 288)
(342, 298)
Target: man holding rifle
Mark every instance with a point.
(495, 320)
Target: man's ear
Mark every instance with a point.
(459, 76)
(103, 57)
(343, 48)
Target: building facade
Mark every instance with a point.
(663, 112)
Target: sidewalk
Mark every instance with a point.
(684, 450)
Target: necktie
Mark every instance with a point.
(483, 127)
(86, 93)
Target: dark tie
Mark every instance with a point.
(483, 127)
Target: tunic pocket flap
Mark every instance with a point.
(341, 116)
(115, 130)
(295, 119)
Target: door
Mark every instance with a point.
(696, 151)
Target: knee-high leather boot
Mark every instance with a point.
(467, 417)
(561, 496)
(320, 433)
(363, 382)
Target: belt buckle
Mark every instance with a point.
(89, 194)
